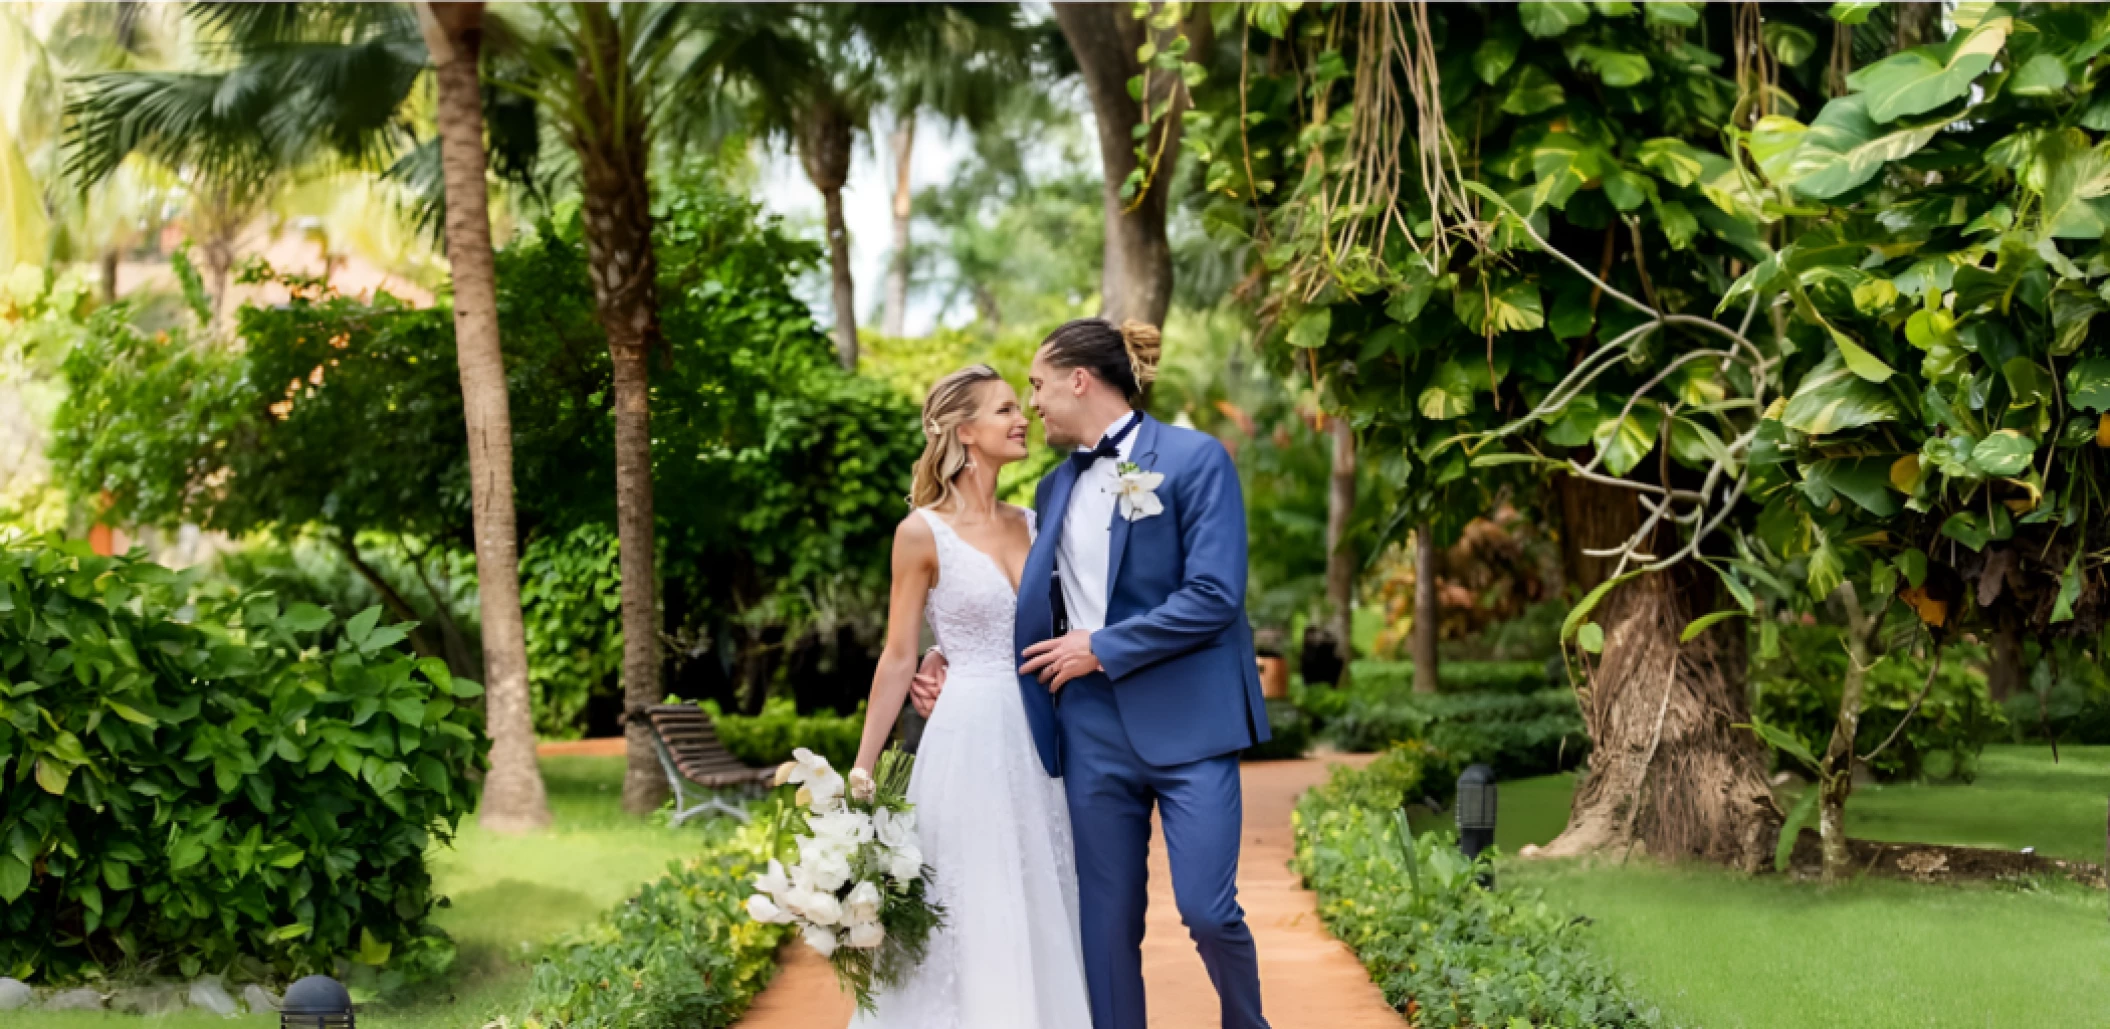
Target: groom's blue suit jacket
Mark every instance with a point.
(1176, 647)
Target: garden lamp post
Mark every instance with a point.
(1476, 812)
(316, 1002)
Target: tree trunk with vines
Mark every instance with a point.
(616, 199)
(1135, 278)
(514, 798)
(1428, 609)
(1669, 772)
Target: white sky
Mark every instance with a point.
(867, 207)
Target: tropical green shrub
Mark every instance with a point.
(681, 954)
(191, 782)
(770, 737)
(1799, 669)
(571, 595)
(1519, 734)
(1444, 951)
(1292, 733)
(1462, 676)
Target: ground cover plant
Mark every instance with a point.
(1444, 951)
(680, 954)
(769, 737)
(197, 783)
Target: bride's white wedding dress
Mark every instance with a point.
(995, 829)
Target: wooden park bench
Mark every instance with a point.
(694, 760)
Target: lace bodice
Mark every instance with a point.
(973, 607)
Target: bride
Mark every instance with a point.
(995, 828)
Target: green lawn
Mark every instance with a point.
(507, 895)
(1726, 951)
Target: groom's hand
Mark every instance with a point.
(1061, 659)
(929, 681)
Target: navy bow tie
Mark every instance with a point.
(1109, 445)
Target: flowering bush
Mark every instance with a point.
(857, 890)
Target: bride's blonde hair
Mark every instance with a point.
(950, 402)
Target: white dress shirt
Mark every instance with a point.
(1088, 533)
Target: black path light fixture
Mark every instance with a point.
(1476, 813)
(316, 1002)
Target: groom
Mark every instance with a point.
(1152, 691)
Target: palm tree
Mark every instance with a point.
(813, 74)
(960, 65)
(513, 798)
(309, 83)
(597, 74)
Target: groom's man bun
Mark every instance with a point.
(1125, 358)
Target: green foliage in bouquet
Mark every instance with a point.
(195, 783)
(1445, 951)
(678, 955)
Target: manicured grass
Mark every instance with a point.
(2020, 799)
(1724, 951)
(507, 897)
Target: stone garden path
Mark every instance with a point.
(1308, 979)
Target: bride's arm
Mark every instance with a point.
(915, 571)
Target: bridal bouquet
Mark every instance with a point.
(848, 872)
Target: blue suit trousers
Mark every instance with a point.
(1111, 792)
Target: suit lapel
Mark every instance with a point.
(1145, 456)
(1036, 583)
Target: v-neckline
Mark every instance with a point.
(1001, 571)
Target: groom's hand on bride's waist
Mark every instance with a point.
(928, 682)
(1061, 659)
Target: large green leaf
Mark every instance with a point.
(2076, 181)
(2088, 384)
(1625, 441)
(14, 877)
(1675, 160)
(1863, 480)
(1839, 151)
(1533, 91)
(1926, 77)
(1551, 19)
(1798, 816)
(1831, 398)
(1619, 69)
(1311, 328)
(2003, 453)
(1514, 307)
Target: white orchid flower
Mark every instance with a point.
(1136, 493)
(867, 935)
(821, 939)
(762, 909)
(905, 863)
(862, 905)
(894, 828)
(774, 882)
(824, 909)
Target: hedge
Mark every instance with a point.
(1444, 951)
(206, 784)
(770, 737)
(681, 954)
(1519, 734)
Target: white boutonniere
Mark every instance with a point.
(1136, 491)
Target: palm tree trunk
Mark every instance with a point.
(514, 799)
(845, 297)
(1427, 609)
(1340, 556)
(1135, 277)
(904, 143)
(617, 201)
